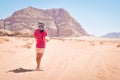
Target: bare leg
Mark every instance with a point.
(38, 59)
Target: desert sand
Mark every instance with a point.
(84, 58)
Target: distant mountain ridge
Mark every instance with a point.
(58, 22)
(112, 35)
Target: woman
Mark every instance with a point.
(41, 37)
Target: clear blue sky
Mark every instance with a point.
(97, 17)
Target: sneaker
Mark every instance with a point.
(37, 69)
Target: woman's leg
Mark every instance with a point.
(38, 59)
(39, 54)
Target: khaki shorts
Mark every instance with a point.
(40, 50)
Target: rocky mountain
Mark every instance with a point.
(59, 22)
(112, 35)
(1, 24)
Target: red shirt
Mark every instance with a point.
(39, 36)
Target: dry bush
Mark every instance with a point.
(118, 45)
(6, 39)
(101, 42)
(25, 39)
(1, 41)
(28, 45)
(92, 43)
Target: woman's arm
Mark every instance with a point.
(46, 38)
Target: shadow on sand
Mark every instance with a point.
(21, 70)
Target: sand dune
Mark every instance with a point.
(82, 58)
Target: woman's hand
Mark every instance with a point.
(46, 38)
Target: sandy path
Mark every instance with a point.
(63, 60)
